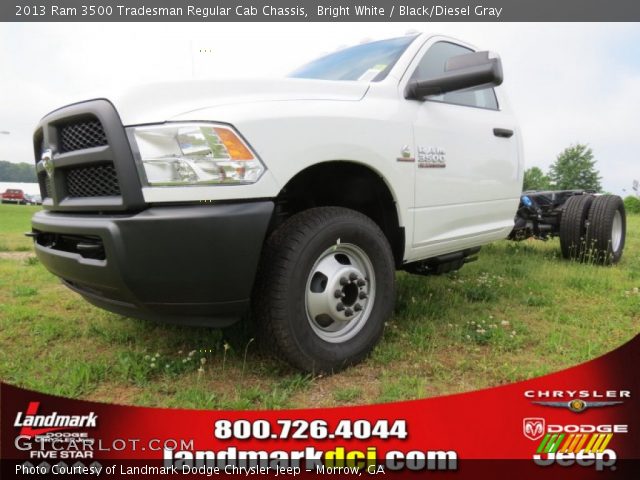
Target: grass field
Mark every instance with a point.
(519, 312)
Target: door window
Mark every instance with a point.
(432, 65)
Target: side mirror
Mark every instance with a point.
(472, 70)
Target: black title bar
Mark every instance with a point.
(320, 11)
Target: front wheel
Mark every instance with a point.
(325, 288)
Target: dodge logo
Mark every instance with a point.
(47, 161)
(533, 428)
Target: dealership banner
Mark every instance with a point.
(583, 422)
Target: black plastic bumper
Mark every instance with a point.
(184, 264)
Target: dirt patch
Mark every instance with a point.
(16, 255)
(321, 393)
(118, 394)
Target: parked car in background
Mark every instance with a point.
(14, 195)
(32, 199)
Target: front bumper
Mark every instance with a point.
(182, 264)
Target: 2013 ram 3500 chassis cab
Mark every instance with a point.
(293, 200)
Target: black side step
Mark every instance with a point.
(446, 263)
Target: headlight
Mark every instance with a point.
(195, 154)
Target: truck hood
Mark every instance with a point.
(164, 101)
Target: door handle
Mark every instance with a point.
(503, 132)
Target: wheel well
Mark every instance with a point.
(343, 184)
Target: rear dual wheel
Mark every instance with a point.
(573, 226)
(325, 288)
(593, 229)
(607, 229)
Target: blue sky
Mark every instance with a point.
(567, 83)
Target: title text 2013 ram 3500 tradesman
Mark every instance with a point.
(295, 199)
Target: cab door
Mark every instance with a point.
(467, 162)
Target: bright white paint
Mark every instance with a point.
(473, 200)
(293, 124)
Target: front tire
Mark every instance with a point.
(325, 289)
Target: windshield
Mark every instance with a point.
(367, 62)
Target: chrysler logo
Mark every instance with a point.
(577, 405)
(47, 161)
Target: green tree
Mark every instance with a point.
(535, 179)
(632, 204)
(17, 172)
(575, 168)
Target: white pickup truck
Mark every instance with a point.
(292, 200)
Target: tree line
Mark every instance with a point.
(574, 169)
(17, 172)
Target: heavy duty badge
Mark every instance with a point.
(431, 157)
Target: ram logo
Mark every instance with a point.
(47, 162)
(533, 428)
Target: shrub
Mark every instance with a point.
(632, 204)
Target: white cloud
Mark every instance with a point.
(567, 82)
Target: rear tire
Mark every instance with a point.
(325, 288)
(573, 226)
(607, 230)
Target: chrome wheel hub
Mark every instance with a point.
(616, 232)
(340, 292)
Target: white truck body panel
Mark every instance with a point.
(293, 124)
(473, 199)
